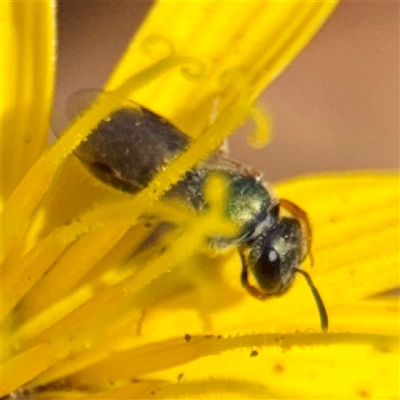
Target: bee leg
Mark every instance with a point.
(255, 292)
(302, 217)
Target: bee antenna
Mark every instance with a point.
(323, 315)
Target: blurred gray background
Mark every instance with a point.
(335, 108)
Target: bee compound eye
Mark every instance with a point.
(274, 256)
(267, 270)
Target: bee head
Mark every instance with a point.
(274, 256)
(273, 259)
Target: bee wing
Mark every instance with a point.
(79, 101)
(65, 113)
(220, 161)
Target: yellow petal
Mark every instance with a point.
(355, 223)
(28, 49)
(14, 372)
(298, 372)
(252, 41)
(283, 366)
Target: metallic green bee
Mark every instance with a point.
(128, 149)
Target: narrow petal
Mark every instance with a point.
(28, 41)
(14, 372)
(283, 366)
(252, 41)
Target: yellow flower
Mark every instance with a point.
(85, 314)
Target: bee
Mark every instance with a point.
(133, 144)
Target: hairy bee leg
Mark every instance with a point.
(255, 292)
(302, 217)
